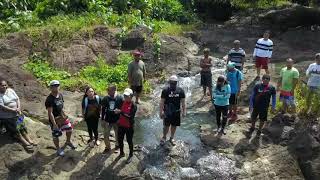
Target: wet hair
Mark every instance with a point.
(206, 50)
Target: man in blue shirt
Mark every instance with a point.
(234, 77)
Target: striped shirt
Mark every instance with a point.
(263, 48)
(236, 56)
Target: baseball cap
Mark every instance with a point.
(231, 65)
(137, 53)
(54, 82)
(127, 92)
(173, 78)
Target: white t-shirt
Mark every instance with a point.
(9, 99)
(313, 72)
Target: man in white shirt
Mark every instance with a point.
(262, 53)
(313, 73)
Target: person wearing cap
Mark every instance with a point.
(206, 75)
(237, 55)
(289, 77)
(221, 95)
(260, 102)
(58, 120)
(262, 53)
(127, 113)
(136, 74)
(12, 117)
(172, 101)
(234, 77)
(112, 101)
(313, 74)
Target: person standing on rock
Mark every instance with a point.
(172, 100)
(91, 110)
(136, 74)
(234, 77)
(221, 95)
(262, 53)
(58, 120)
(126, 122)
(237, 55)
(11, 115)
(313, 73)
(260, 102)
(109, 118)
(289, 77)
(206, 75)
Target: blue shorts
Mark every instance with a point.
(288, 100)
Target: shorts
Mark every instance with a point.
(233, 100)
(67, 126)
(137, 89)
(206, 78)
(262, 62)
(173, 121)
(262, 113)
(287, 99)
(11, 126)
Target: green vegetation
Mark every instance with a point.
(97, 76)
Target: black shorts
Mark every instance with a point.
(11, 126)
(173, 121)
(261, 112)
(137, 89)
(233, 100)
(206, 78)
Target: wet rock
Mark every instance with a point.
(216, 166)
(189, 174)
(136, 37)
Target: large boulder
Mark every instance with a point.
(136, 37)
(15, 45)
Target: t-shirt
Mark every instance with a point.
(136, 71)
(313, 72)
(233, 78)
(288, 75)
(93, 108)
(9, 99)
(56, 103)
(236, 56)
(125, 108)
(263, 48)
(261, 95)
(109, 104)
(172, 100)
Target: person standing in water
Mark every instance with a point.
(172, 101)
(206, 75)
(137, 74)
(126, 123)
(262, 53)
(91, 113)
(58, 120)
(260, 102)
(110, 103)
(221, 95)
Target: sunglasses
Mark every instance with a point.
(56, 85)
(266, 78)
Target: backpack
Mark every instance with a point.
(86, 102)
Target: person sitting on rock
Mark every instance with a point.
(206, 75)
(221, 95)
(234, 77)
(289, 77)
(172, 100)
(262, 53)
(109, 118)
(12, 117)
(313, 73)
(260, 102)
(126, 122)
(57, 118)
(91, 110)
(136, 74)
(237, 55)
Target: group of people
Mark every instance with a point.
(228, 87)
(117, 111)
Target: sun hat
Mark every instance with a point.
(54, 82)
(173, 78)
(128, 92)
